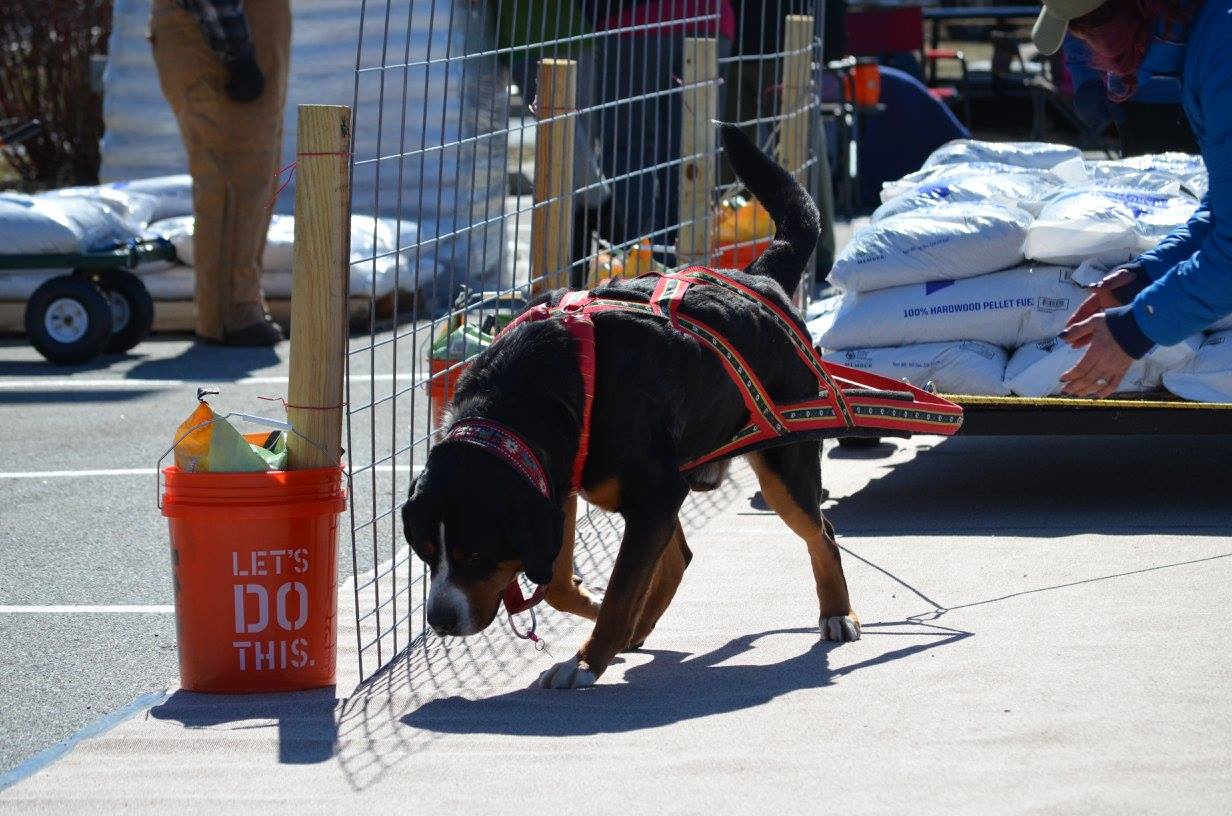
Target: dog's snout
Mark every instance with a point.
(443, 619)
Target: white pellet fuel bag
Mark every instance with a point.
(1117, 174)
(1021, 187)
(374, 255)
(1037, 155)
(1035, 369)
(1188, 168)
(1208, 376)
(1109, 225)
(135, 207)
(948, 241)
(172, 194)
(950, 172)
(1009, 309)
(52, 223)
(966, 367)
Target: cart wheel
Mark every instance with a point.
(68, 320)
(859, 441)
(132, 308)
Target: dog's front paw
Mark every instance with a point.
(840, 628)
(573, 673)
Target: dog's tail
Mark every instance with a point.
(797, 222)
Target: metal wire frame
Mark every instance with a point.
(411, 52)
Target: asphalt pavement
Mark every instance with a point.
(85, 583)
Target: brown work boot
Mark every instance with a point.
(263, 333)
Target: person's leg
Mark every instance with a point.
(189, 73)
(252, 150)
(1154, 128)
(233, 151)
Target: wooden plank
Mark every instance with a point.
(699, 107)
(793, 145)
(551, 236)
(319, 285)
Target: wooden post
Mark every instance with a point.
(793, 147)
(551, 231)
(699, 107)
(319, 285)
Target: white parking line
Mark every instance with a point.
(54, 383)
(78, 474)
(53, 474)
(89, 609)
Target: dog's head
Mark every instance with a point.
(476, 523)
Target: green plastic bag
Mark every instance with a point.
(462, 343)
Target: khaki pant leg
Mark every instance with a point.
(233, 155)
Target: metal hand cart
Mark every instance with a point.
(99, 306)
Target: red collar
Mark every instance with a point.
(505, 444)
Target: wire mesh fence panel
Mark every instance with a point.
(505, 147)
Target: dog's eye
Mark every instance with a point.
(471, 559)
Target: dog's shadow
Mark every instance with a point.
(671, 688)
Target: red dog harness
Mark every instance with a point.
(847, 399)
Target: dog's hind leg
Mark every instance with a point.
(790, 479)
(566, 592)
(650, 504)
(663, 586)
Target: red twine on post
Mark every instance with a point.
(286, 405)
(290, 171)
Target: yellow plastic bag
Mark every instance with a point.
(636, 261)
(217, 447)
(741, 219)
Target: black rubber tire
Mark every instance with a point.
(83, 327)
(134, 317)
(859, 441)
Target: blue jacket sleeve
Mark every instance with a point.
(1181, 244)
(1078, 61)
(1197, 291)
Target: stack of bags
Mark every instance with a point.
(80, 219)
(972, 266)
(377, 267)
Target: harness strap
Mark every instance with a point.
(802, 345)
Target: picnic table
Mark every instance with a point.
(936, 15)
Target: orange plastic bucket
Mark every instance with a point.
(442, 385)
(255, 564)
(738, 256)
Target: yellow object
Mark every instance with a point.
(740, 219)
(637, 261)
(216, 447)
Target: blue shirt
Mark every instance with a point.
(1191, 269)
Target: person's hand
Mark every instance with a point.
(1093, 106)
(1104, 295)
(1102, 368)
(245, 82)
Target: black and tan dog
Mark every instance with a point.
(660, 399)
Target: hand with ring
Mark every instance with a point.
(1116, 289)
(1102, 368)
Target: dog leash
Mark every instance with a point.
(529, 634)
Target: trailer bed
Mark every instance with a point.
(1067, 416)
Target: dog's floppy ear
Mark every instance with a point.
(540, 538)
(419, 520)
